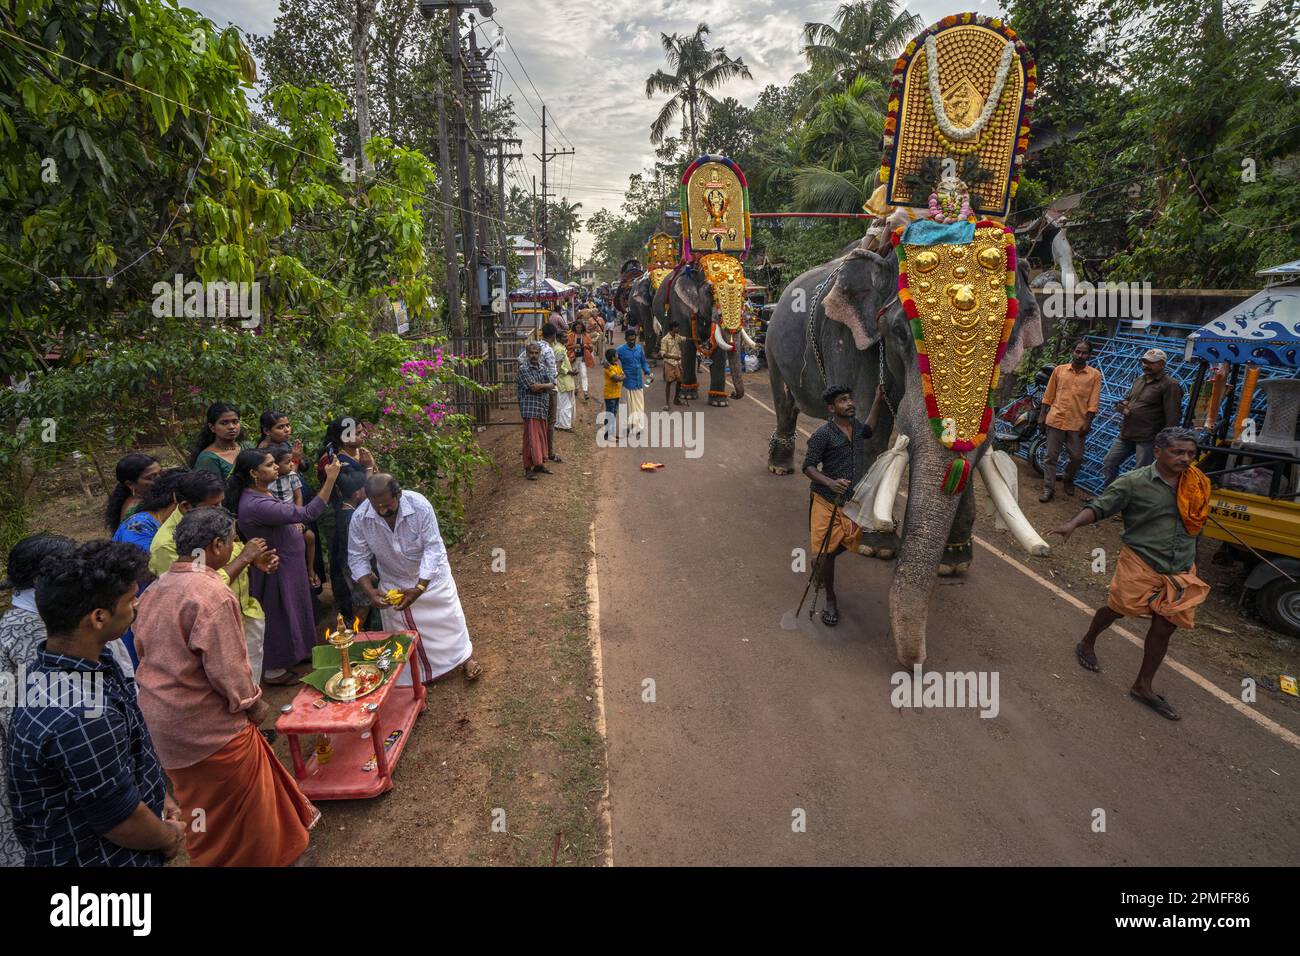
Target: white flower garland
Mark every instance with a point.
(941, 115)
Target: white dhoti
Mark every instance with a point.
(564, 410)
(437, 618)
(582, 377)
(634, 403)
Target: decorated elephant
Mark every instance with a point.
(639, 301)
(688, 296)
(843, 323)
(627, 275)
(936, 321)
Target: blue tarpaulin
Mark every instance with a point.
(1263, 330)
(1119, 361)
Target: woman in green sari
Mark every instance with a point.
(219, 441)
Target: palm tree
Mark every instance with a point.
(836, 152)
(696, 71)
(865, 39)
(564, 224)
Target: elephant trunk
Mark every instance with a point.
(929, 518)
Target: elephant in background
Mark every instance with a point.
(842, 323)
(640, 299)
(687, 297)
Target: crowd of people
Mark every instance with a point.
(159, 642)
(563, 360)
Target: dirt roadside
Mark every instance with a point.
(523, 739)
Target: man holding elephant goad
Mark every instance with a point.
(829, 465)
(1164, 505)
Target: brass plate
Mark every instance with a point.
(331, 685)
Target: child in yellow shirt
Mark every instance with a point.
(613, 392)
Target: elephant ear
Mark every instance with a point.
(641, 294)
(865, 283)
(1028, 330)
(688, 294)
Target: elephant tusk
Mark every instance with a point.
(882, 510)
(659, 329)
(717, 338)
(744, 337)
(1009, 510)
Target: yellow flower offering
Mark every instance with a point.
(394, 596)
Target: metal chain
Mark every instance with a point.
(880, 345)
(812, 315)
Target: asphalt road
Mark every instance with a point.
(754, 729)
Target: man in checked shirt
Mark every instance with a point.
(829, 463)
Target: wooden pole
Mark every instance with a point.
(448, 221)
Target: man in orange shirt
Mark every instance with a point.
(1069, 405)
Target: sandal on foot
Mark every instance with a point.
(472, 672)
(1087, 661)
(529, 476)
(1158, 704)
(288, 678)
(830, 616)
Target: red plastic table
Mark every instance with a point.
(357, 733)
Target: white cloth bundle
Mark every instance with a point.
(869, 508)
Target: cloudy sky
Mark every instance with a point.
(589, 60)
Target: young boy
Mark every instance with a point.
(613, 392)
(86, 785)
(288, 488)
(671, 350)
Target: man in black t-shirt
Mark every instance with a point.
(828, 464)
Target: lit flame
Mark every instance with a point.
(356, 622)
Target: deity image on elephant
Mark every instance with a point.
(936, 318)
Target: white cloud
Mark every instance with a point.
(589, 61)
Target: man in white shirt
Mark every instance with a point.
(399, 530)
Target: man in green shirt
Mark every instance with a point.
(1164, 505)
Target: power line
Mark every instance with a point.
(540, 98)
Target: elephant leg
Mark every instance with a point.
(690, 383)
(959, 551)
(780, 448)
(879, 544)
(737, 369)
(718, 378)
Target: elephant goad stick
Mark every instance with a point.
(790, 619)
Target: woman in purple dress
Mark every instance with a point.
(285, 596)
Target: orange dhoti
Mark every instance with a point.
(843, 531)
(253, 812)
(1137, 591)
